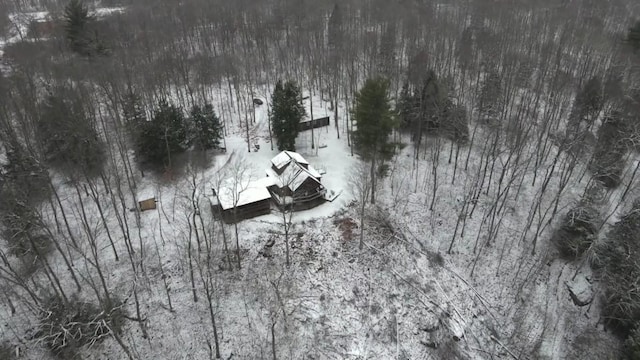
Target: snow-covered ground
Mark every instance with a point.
(401, 296)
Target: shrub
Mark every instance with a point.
(454, 124)
(207, 129)
(618, 260)
(70, 142)
(20, 229)
(24, 175)
(7, 351)
(632, 345)
(577, 232)
(608, 162)
(66, 327)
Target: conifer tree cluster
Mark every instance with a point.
(374, 120)
(286, 113)
(68, 136)
(23, 183)
(169, 132)
(490, 102)
(163, 136)
(81, 35)
(206, 128)
(427, 110)
(633, 37)
(586, 107)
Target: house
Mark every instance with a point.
(295, 182)
(240, 200)
(291, 183)
(43, 28)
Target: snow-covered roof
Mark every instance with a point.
(242, 192)
(145, 193)
(300, 178)
(292, 176)
(284, 158)
(315, 173)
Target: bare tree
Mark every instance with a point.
(362, 186)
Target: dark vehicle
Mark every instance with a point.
(257, 101)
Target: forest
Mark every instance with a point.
(480, 167)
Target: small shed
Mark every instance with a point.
(146, 197)
(313, 124)
(148, 204)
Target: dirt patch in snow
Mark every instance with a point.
(346, 226)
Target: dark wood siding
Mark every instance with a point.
(315, 123)
(246, 211)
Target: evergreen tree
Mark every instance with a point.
(374, 119)
(406, 107)
(386, 51)
(465, 50)
(433, 97)
(490, 96)
(69, 139)
(416, 74)
(163, 136)
(286, 113)
(26, 173)
(608, 160)
(633, 37)
(76, 20)
(454, 122)
(335, 27)
(133, 110)
(207, 130)
(586, 107)
(80, 30)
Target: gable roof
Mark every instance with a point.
(293, 177)
(243, 192)
(284, 158)
(299, 177)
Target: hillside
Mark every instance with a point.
(460, 256)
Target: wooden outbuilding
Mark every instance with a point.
(313, 124)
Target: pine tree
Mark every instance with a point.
(76, 20)
(633, 37)
(133, 110)
(454, 123)
(207, 130)
(465, 50)
(80, 30)
(163, 136)
(406, 107)
(608, 160)
(586, 107)
(374, 119)
(286, 113)
(490, 96)
(386, 51)
(432, 102)
(26, 173)
(335, 27)
(68, 138)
